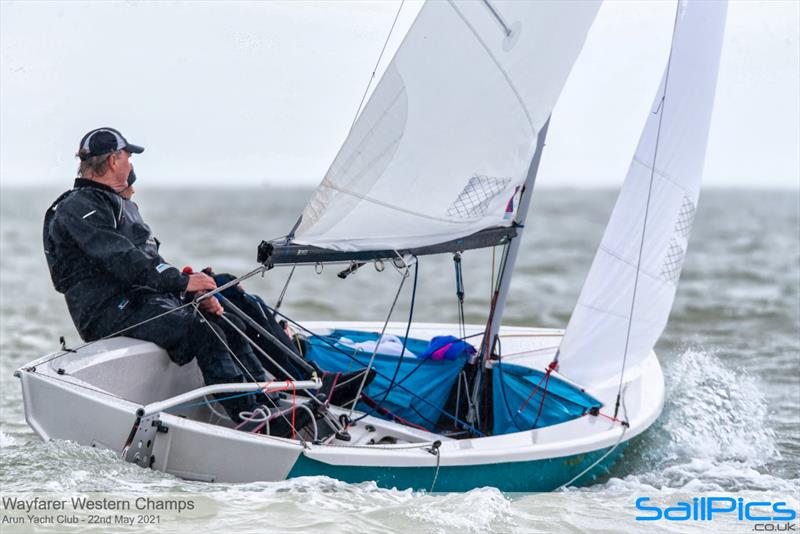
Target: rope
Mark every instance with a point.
(248, 416)
(333, 346)
(246, 370)
(466, 392)
(458, 391)
(513, 416)
(545, 378)
(259, 415)
(487, 345)
(264, 353)
(232, 283)
(212, 401)
(266, 417)
(384, 411)
(313, 420)
(160, 315)
(405, 341)
(285, 287)
(540, 334)
(424, 361)
(506, 29)
(625, 427)
(256, 346)
(535, 389)
(541, 402)
(333, 387)
(378, 342)
(579, 475)
(245, 414)
(438, 454)
(193, 303)
(531, 351)
(294, 403)
(375, 69)
(646, 214)
(294, 358)
(252, 417)
(384, 447)
(422, 416)
(210, 405)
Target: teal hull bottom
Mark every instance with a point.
(531, 476)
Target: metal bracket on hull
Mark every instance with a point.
(139, 449)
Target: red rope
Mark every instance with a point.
(293, 386)
(333, 388)
(294, 405)
(544, 394)
(610, 417)
(294, 399)
(263, 389)
(545, 378)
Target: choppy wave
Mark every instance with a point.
(714, 433)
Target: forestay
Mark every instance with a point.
(443, 145)
(675, 134)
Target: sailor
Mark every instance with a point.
(104, 259)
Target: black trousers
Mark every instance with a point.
(187, 334)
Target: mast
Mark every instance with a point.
(507, 264)
(510, 258)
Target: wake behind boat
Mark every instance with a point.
(441, 160)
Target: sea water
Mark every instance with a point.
(731, 355)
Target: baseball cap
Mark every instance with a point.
(104, 141)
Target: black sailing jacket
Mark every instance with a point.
(102, 256)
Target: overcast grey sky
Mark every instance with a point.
(251, 93)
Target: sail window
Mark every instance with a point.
(474, 199)
(685, 218)
(673, 262)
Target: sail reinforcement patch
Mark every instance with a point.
(474, 199)
(673, 261)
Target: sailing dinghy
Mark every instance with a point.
(442, 159)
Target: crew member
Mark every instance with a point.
(104, 259)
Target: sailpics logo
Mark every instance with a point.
(710, 508)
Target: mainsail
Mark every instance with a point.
(443, 145)
(620, 313)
